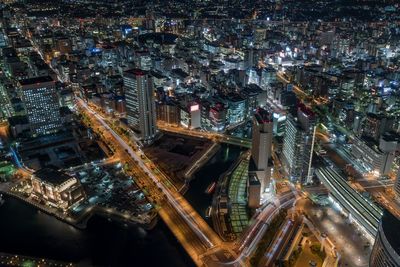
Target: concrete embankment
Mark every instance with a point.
(80, 221)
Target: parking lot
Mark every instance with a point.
(108, 186)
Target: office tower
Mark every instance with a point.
(237, 111)
(190, 115)
(293, 148)
(375, 125)
(143, 60)
(389, 146)
(260, 163)
(375, 158)
(168, 112)
(288, 99)
(217, 117)
(41, 103)
(386, 249)
(279, 124)
(262, 138)
(140, 105)
(253, 191)
(298, 145)
(307, 120)
(249, 58)
(268, 77)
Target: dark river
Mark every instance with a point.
(26, 231)
(211, 171)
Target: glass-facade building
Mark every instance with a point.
(140, 105)
(386, 249)
(41, 103)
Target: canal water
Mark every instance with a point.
(217, 165)
(26, 231)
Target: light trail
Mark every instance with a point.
(193, 225)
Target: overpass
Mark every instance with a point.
(217, 137)
(362, 210)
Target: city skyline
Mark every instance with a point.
(200, 133)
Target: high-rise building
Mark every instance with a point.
(293, 148)
(143, 60)
(376, 157)
(279, 123)
(268, 76)
(253, 191)
(288, 99)
(236, 112)
(298, 145)
(260, 167)
(262, 138)
(168, 112)
(306, 117)
(140, 105)
(386, 249)
(41, 103)
(217, 117)
(376, 124)
(397, 185)
(190, 115)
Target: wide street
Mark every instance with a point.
(350, 243)
(191, 230)
(244, 142)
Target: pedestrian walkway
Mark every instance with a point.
(237, 195)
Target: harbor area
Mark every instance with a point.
(76, 194)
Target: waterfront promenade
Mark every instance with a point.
(7, 259)
(79, 220)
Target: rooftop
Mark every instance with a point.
(36, 80)
(262, 116)
(18, 120)
(136, 72)
(391, 226)
(52, 175)
(253, 180)
(307, 111)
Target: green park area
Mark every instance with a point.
(7, 169)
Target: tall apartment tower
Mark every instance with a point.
(140, 105)
(40, 98)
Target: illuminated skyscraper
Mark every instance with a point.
(386, 249)
(298, 145)
(41, 103)
(260, 164)
(140, 105)
(262, 138)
